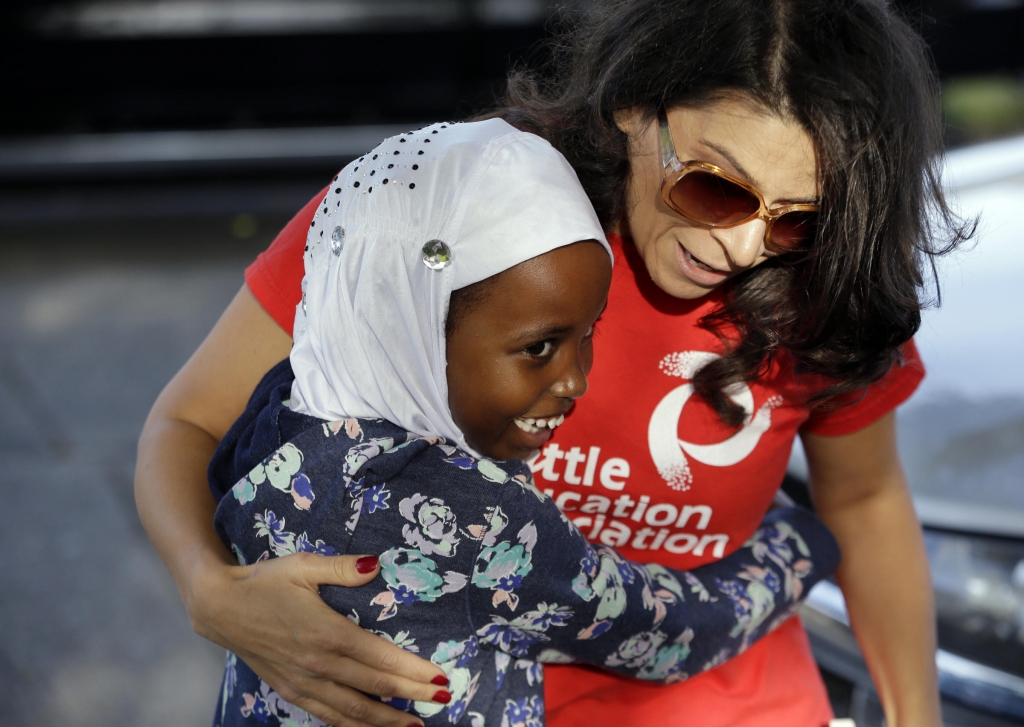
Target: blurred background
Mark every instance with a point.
(149, 149)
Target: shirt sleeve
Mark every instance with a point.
(859, 409)
(560, 599)
(275, 277)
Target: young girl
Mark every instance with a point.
(453, 279)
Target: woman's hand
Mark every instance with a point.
(269, 614)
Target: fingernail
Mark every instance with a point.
(442, 696)
(440, 680)
(367, 564)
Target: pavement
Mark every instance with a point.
(94, 320)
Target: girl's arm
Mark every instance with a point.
(269, 614)
(860, 492)
(542, 592)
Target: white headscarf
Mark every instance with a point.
(369, 333)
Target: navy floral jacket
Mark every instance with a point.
(480, 572)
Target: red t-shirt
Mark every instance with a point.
(642, 465)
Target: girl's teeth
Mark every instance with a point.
(533, 426)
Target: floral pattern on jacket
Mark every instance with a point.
(483, 573)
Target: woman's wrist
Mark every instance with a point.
(927, 713)
(917, 706)
(202, 587)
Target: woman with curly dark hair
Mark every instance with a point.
(767, 171)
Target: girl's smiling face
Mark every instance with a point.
(519, 357)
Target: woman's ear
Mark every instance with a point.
(627, 120)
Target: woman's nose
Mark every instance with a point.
(572, 382)
(743, 243)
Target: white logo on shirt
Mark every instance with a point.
(669, 452)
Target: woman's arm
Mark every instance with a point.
(861, 493)
(269, 614)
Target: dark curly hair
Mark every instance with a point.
(857, 78)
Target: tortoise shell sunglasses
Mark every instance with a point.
(707, 196)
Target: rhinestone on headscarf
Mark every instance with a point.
(337, 240)
(437, 255)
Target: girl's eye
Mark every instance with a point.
(589, 333)
(540, 349)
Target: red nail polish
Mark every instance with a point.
(367, 564)
(442, 696)
(440, 680)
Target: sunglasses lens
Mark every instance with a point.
(794, 230)
(713, 200)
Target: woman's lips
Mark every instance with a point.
(696, 271)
